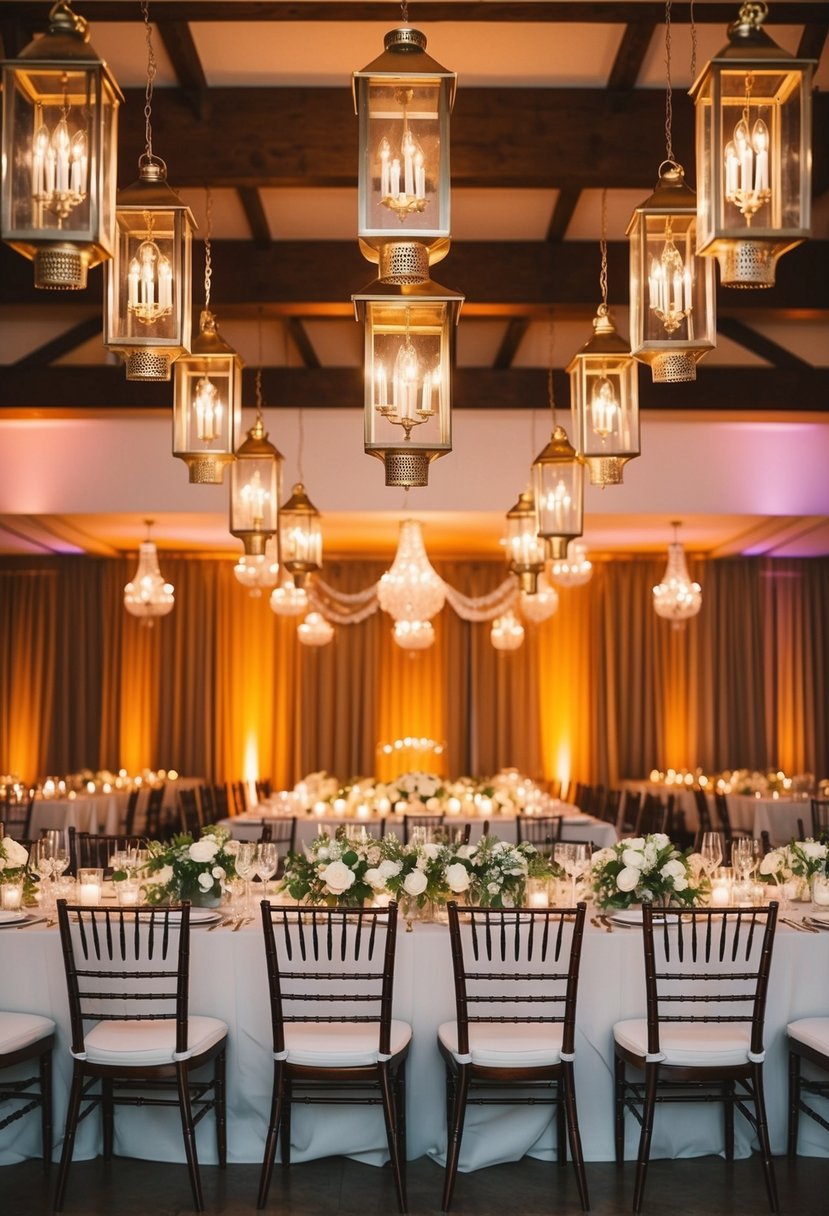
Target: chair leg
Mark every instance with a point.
(568, 1079)
(728, 1115)
(455, 1134)
(651, 1079)
(400, 1099)
(73, 1111)
(390, 1115)
(273, 1134)
(794, 1102)
(561, 1133)
(285, 1134)
(619, 1108)
(220, 1108)
(763, 1135)
(189, 1133)
(107, 1117)
(46, 1108)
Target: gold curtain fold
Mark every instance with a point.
(29, 608)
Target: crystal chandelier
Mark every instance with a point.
(289, 600)
(260, 571)
(677, 598)
(147, 595)
(410, 589)
(574, 570)
(315, 630)
(413, 635)
(507, 632)
(540, 605)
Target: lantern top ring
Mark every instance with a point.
(404, 39)
(152, 168)
(63, 20)
(751, 14)
(670, 170)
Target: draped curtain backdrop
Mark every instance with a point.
(221, 688)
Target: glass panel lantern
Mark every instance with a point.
(604, 395)
(149, 280)
(300, 536)
(754, 157)
(255, 485)
(525, 548)
(409, 355)
(403, 100)
(207, 405)
(558, 484)
(672, 291)
(60, 106)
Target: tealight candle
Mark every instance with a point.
(11, 895)
(362, 811)
(320, 808)
(383, 806)
(485, 806)
(453, 806)
(721, 889)
(340, 806)
(90, 886)
(538, 893)
(820, 890)
(127, 892)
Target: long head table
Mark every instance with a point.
(228, 981)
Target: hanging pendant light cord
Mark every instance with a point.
(603, 248)
(669, 109)
(208, 258)
(259, 403)
(148, 92)
(551, 395)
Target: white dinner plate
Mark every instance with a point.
(198, 916)
(12, 917)
(627, 916)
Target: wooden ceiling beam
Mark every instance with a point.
(68, 341)
(563, 212)
(631, 55)
(813, 40)
(260, 229)
(181, 49)
(750, 339)
(300, 339)
(516, 328)
(737, 389)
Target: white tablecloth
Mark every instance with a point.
(228, 981)
(777, 816)
(101, 813)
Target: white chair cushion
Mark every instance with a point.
(340, 1044)
(508, 1045)
(689, 1044)
(19, 1030)
(143, 1044)
(812, 1032)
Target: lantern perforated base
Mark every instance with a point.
(205, 470)
(674, 367)
(406, 468)
(747, 264)
(60, 268)
(605, 470)
(404, 263)
(147, 365)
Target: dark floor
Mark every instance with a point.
(339, 1187)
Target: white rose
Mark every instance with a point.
(205, 881)
(493, 888)
(661, 840)
(635, 842)
(681, 883)
(337, 877)
(673, 869)
(457, 877)
(388, 868)
(650, 855)
(633, 859)
(415, 883)
(16, 855)
(466, 851)
(773, 862)
(203, 850)
(322, 854)
(433, 804)
(430, 851)
(162, 876)
(813, 850)
(627, 879)
(218, 872)
(601, 857)
(375, 879)
(231, 847)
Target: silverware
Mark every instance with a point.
(594, 920)
(798, 925)
(818, 926)
(218, 924)
(243, 920)
(39, 920)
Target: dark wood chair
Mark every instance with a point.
(630, 812)
(808, 1040)
(221, 802)
(282, 833)
(25, 1038)
(652, 816)
(724, 820)
(703, 812)
(334, 968)
(611, 806)
(543, 831)
(239, 796)
(207, 804)
(706, 977)
(90, 849)
(132, 1035)
(132, 811)
(820, 818)
(155, 828)
(264, 789)
(189, 812)
(513, 1040)
(432, 823)
(16, 817)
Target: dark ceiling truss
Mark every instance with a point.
(750, 339)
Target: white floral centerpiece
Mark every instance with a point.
(316, 787)
(184, 868)
(416, 793)
(497, 871)
(645, 869)
(13, 859)
(334, 870)
(794, 865)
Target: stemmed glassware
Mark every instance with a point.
(582, 857)
(564, 856)
(245, 867)
(711, 852)
(265, 863)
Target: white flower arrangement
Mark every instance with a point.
(190, 869)
(645, 869)
(13, 859)
(421, 792)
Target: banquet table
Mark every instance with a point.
(100, 812)
(228, 981)
(777, 816)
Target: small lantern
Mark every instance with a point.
(207, 405)
(255, 484)
(60, 105)
(403, 100)
(300, 536)
(409, 354)
(558, 479)
(605, 399)
(754, 157)
(525, 548)
(149, 280)
(672, 291)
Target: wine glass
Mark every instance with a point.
(245, 862)
(711, 852)
(582, 857)
(40, 861)
(564, 856)
(266, 862)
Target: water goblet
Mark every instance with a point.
(582, 857)
(265, 864)
(711, 852)
(245, 861)
(564, 856)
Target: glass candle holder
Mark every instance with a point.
(820, 890)
(90, 886)
(721, 888)
(128, 892)
(538, 893)
(11, 895)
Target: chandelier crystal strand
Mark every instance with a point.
(147, 595)
(315, 630)
(677, 598)
(541, 605)
(507, 632)
(411, 589)
(574, 570)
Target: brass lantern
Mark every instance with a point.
(255, 486)
(207, 404)
(754, 157)
(409, 355)
(149, 280)
(672, 290)
(300, 536)
(525, 548)
(403, 100)
(604, 394)
(558, 485)
(60, 105)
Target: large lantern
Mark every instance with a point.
(255, 485)
(149, 280)
(525, 548)
(558, 484)
(409, 355)
(754, 158)
(604, 395)
(672, 291)
(300, 536)
(207, 404)
(403, 100)
(60, 105)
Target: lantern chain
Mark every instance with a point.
(603, 247)
(208, 252)
(152, 69)
(693, 43)
(669, 108)
(551, 394)
(404, 9)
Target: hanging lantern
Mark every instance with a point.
(754, 152)
(300, 536)
(540, 605)
(507, 632)
(259, 572)
(677, 598)
(403, 100)
(605, 399)
(255, 481)
(409, 355)
(672, 291)
(60, 106)
(525, 548)
(315, 630)
(558, 481)
(147, 595)
(207, 404)
(574, 570)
